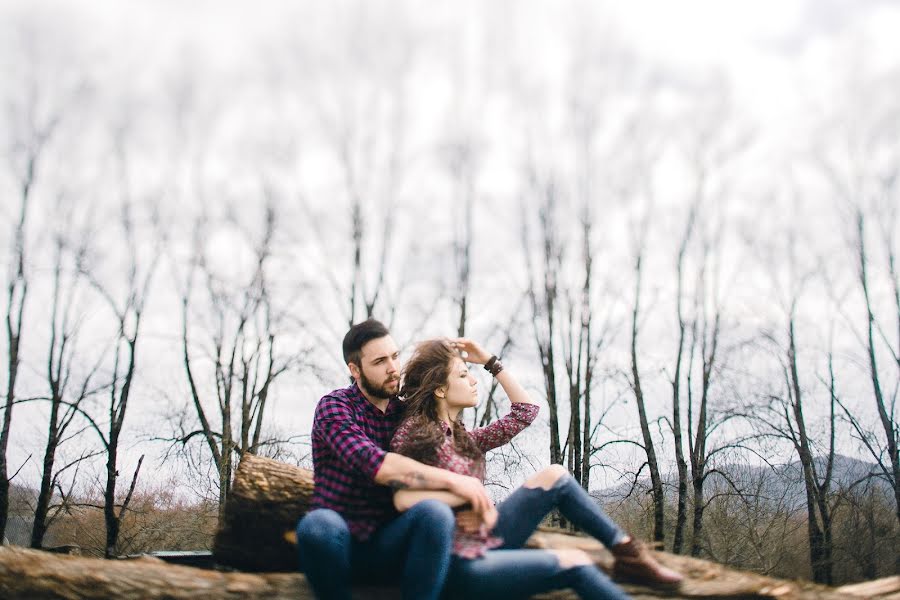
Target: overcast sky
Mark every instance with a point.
(785, 62)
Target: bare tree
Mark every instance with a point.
(461, 162)
(681, 464)
(543, 293)
(787, 418)
(361, 102)
(652, 463)
(889, 466)
(579, 357)
(714, 139)
(565, 317)
(242, 356)
(16, 295)
(128, 311)
(65, 403)
(33, 122)
(861, 163)
(699, 430)
(792, 426)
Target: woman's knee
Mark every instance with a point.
(546, 478)
(433, 511)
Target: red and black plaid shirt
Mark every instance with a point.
(350, 438)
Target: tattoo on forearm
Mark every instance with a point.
(409, 481)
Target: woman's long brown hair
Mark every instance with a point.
(427, 370)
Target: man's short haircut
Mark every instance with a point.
(358, 336)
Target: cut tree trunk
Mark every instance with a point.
(266, 501)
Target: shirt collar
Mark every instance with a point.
(356, 393)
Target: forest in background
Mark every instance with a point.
(703, 295)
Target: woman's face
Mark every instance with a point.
(461, 390)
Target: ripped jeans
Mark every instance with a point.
(510, 571)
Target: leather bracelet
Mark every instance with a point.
(493, 366)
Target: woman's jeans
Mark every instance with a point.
(512, 572)
(414, 549)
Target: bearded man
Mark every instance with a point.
(353, 534)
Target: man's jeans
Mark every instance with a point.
(413, 549)
(511, 572)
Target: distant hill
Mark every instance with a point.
(783, 483)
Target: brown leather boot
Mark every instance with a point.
(634, 562)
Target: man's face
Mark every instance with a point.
(378, 374)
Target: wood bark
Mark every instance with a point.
(37, 575)
(267, 499)
(649, 449)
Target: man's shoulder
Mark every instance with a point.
(339, 399)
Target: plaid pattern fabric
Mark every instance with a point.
(350, 438)
(501, 431)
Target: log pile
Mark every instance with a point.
(268, 497)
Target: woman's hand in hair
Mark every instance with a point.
(472, 352)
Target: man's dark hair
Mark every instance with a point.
(358, 336)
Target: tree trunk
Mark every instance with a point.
(17, 292)
(109, 500)
(42, 508)
(652, 464)
(699, 507)
(888, 422)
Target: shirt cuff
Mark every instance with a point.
(374, 462)
(524, 411)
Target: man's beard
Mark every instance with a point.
(376, 391)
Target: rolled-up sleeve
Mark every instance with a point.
(501, 431)
(336, 427)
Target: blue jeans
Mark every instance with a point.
(413, 549)
(511, 572)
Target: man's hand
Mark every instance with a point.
(472, 352)
(473, 491)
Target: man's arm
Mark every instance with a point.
(402, 473)
(337, 428)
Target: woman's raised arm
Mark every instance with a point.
(475, 354)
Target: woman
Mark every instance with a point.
(489, 561)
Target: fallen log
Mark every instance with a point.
(36, 575)
(27, 574)
(887, 588)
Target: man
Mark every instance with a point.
(353, 533)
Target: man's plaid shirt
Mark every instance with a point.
(350, 438)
